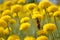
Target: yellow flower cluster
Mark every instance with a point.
(20, 20)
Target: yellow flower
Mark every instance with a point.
(57, 13)
(42, 38)
(3, 23)
(21, 1)
(13, 37)
(6, 12)
(2, 38)
(14, 1)
(6, 31)
(29, 38)
(58, 7)
(34, 16)
(45, 0)
(8, 3)
(24, 26)
(41, 32)
(44, 4)
(14, 15)
(2, 8)
(25, 8)
(50, 27)
(1, 30)
(31, 6)
(51, 14)
(12, 21)
(52, 8)
(6, 17)
(25, 19)
(35, 12)
(16, 8)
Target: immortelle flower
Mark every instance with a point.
(35, 11)
(3, 23)
(14, 15)
(13, 37)
(29, 38)
(16, 8)
(25, 19)
(6, 12)
(2, 38)
(8, 3)
(44, 4)
(41, 32)
(39, 16)
(31, 6)
(52, 8)
(6, 17)
(45, 0)
(21, 1)
(42, 38)
(1, 30)
(2, 8)
(24, 26)
(6, 31)
(50, 27)
(12, 21)
(57, 13)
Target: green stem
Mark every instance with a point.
(53, 38)
(47, 16)
(56, 24)
(8, 27)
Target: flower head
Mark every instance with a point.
(6, 31)
(57, 13)
(2, 38)
(3, 23)
(29, 38)
(21, 1)
(12, 21)
(16, 8)
(44, 4)
(39, 16)
(42, 38)
(25, 19)
(1, 30)
(14, 15)
(6, 17)
(13, 37)
(6, 12)
(24, 26)
(31, 6)
(52, 8)
(50, 27)
(8, 4)
(41, 32)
